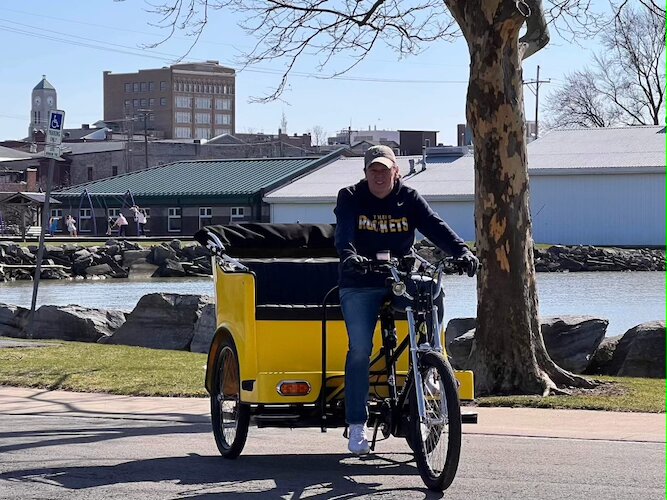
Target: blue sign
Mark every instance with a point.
(54, 134)
(56, 121)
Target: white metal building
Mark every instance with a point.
(603, 186)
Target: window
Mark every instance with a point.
(163, 101)
(238, 212)
(151, 86)
(202, 133)
(151, 102)
(205, 216)
(151, 117)
(174, 220)
(113, 212)
(85, 220)
(144, 86)
(223, 103)
(135, 87)
(127, 103)
(183, 117)
(144, 103)
(183, 101)
(202, 118)
(224, 130)
(221, 119)
(203, 102)
(114, 170)
(182, 132)
(163, 86)
(427, 143)
(135, 103)
(128, 87)
(90, 173)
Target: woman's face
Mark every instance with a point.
(381, 179)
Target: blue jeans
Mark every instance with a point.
(360, 308)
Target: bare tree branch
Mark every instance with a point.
(626, 84)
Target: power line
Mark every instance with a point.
(161, 56)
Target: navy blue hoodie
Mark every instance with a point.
(366, 224)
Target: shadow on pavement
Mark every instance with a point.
(253, 476)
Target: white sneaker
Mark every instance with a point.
(358, 443)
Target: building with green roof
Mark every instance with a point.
(182, 196)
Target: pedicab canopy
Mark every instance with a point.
(261, 240)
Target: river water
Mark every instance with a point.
(624, 298)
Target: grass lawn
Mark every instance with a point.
(86, 367)
(137, 371)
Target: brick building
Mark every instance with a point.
(182, 101)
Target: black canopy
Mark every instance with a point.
(255, 239)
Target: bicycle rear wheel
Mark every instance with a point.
(229, 416)
(437, 440)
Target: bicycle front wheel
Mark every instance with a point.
(436, 440)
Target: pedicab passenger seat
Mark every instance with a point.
(295, 266)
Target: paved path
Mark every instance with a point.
(61, 445)
(527, 422)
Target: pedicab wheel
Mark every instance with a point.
(229, 416)
(437, 441)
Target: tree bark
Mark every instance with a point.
(508, 353)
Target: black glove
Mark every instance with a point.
(356, 263)
(469, 263)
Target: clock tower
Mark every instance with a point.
(44, 99)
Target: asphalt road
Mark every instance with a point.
(73, 457)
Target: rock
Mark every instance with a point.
(161, 321)
(572, 340)
(641, 352)
(12, 320)
(601, 361)
(76, 323)
(204, 330)
(569, 340)
(161, 253)
(141, 268)
(176, 245)
(131, 256)
(170, 269)
(100, 269)
(459, 350)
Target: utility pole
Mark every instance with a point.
(145, 115)
(537, 82)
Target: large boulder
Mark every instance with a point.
(161, 321)
(601, 361)
(12, 320)
(641, 352)
(572, 340)
(204, 330)
(72, 322)
(132, 256)
(569, 340)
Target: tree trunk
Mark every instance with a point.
(508, 354)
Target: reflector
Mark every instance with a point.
(293, 388)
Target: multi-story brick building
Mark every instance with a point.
(182, 101)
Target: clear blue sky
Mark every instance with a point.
(73, 42)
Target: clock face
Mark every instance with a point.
(49, 101)
(38, 101)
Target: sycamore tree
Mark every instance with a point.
(508, 355)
